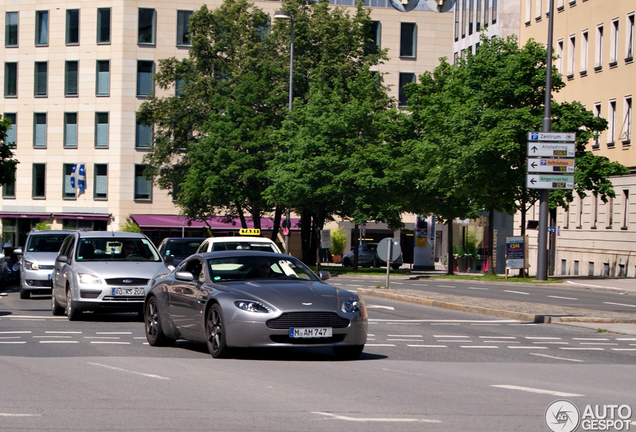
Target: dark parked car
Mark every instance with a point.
(368, 257)
(179, 248)
(253, 299)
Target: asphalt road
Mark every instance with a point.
(423, 368)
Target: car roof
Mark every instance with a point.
(233, 253)
(113, 234)
(239, 238)
(44, 232)
(184, 239)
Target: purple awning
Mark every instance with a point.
(84, 216)
(25, 215)
(176, 221)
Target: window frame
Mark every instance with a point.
(12, 131)
(626, 136)
(98, 90)
(67, 171)
(99, 116)
(611, 124)
(72, 27)
(598, 58)
(629, 38)
(67, 82)
(138, 172)
(613, 61)
(98, 196)
(67, 124)
(36, 135)
(11, 30)
(103, 28)
(38, 183)
(375, 33)
(140, 81)
(138, 134)
(571, 56)
(38, 91)
(183, 16)
(41, 34)
(8, 189)
(585, 51)
(404, 37)
(7, 82)
(146, 30)
(402, 99)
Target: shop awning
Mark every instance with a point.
(25, 215)
(175, 221)
(84, 216)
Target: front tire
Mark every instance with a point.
(56, 309)
(215, 331)
(346, 262)
(24, 294)
(154, 331)
(71, 310)
(350, 352)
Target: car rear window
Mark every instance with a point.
(182, 248)
(244, 245)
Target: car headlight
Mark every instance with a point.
(351, 306)
(87, 278)
(30, 265)
(252, 306)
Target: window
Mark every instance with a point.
(611, 124)
(597, 113)
(572, 57)
(478, 17)
(374, 33)
(560, 5)
(464, 20)
(626, 128)
(101, 130)
(72, 27)
(614, 44)
(68, 191)
(146, 26)
(145, 72)
(471, 4)
(39, 181)
(11, 29)
(10, 137)
(494, 11)
(528, 11)
(408, 38)
(70, 130)
(179, 86)
(594, 211)
(183, 27)
(629, 39)
(584, 52)
(103, 25)
(100, 182)
(486, 11)
(599, 48)
(538, 10)
(143, 139)
(625, 208)
(10, 80)
(70, 80)
(8, 189)
(41, 78)
(41, 28)
(39, 130)
(102, 82)
(143, 186)
(456, 23)
(559, 54)
(610, 212)
(405, 78)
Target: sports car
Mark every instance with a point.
(253, 299)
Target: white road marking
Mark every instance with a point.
(551, 343)
(536, 390)
(391, 420)
(447, 286)
(626, 339)
(380, 307)
(542, 338)
(498, 337)
(101, 337)
(39, 317)
(9, 337)
(397, 283)
(379, 345)
(19, 415)
(500, 341)
(128, 371)
(476, 288)
(415, 336)
(113, 333)
(51, 336)
(420, 284)
(556, 358)
(563, 298)
(598, 343)
(516, 292)
(591, 339)
(455, 341)
(427, 346)
(527, 347)
(402, 340)
(619, 304)
(485, 324)
(62, 332)
(450, 336)
(16, 332)
(59, 341)
(110, 342)
(445, 324)
(582, 349)
(442, 321)
(623, 349)
(479, 346)
(12, 342)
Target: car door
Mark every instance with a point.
(60, 274)
(365, 255)
(185, 307)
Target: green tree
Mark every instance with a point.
(7, 161)
(477, 114)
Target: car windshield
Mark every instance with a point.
(181, 248)
(116, 249)
(243, 245)
(45, 242)
(258, 267)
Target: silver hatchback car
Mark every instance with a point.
(101, 270)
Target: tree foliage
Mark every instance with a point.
(7, 161)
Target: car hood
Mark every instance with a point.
(46, 258)
(292, 295)
(117, 269)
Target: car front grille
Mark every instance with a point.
(46, 267)
(127, 281)
(308, 319)
(307, 341)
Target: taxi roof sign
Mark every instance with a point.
(250, 231)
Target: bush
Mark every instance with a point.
(130, 226)
(338, 241)
(41, 226)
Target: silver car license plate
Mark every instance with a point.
(128, 291)
(310, 332)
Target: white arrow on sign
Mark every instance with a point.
(550, 165)
(551, 149)
(551, 136)
(547, 181)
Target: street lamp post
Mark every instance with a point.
(287, 16)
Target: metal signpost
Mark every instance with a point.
(390, 249)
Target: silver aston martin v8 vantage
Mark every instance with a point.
(253, 299)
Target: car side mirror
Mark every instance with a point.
(184, 276)
(324, 275)
(61, 259)
(18, 251)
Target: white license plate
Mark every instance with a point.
(310, 332)
(128, 291)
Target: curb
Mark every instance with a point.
(503, 313)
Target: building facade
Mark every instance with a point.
(75, 74)
(594, 42)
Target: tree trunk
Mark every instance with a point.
(354, 242)
(491, 241)
(305, 235)
(278, 212)
(450, 261)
